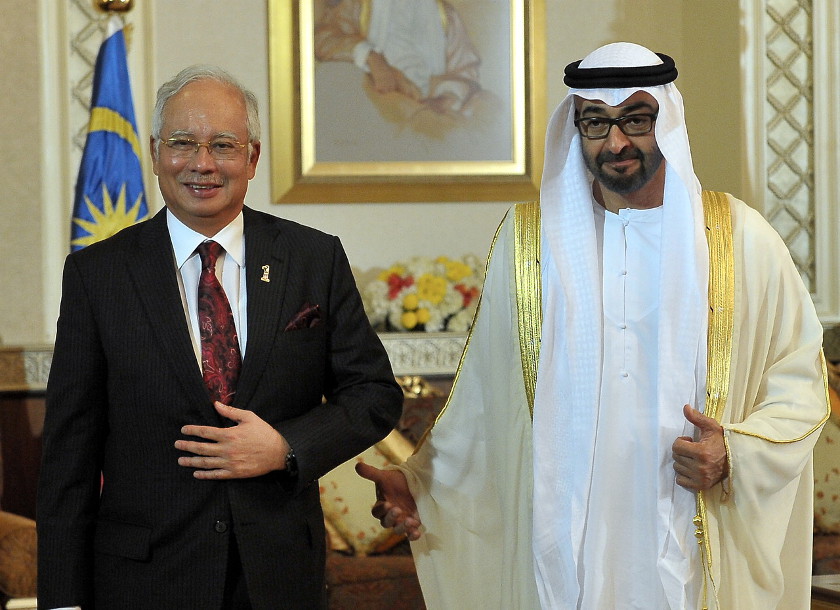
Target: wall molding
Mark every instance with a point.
(424, 353)
(25, 369)
(791, 122)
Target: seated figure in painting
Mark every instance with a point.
(417, 53)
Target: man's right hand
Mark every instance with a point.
(395, 505)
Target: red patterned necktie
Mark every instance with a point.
(220, 359)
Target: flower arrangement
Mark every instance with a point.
(424, 294)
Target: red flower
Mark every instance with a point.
(397, 283)
(468, 293)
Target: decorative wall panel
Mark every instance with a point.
(789, 203)
(790, 62)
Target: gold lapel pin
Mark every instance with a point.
(264, 277)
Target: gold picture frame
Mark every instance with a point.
(447, 167)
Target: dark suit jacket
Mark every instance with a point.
(125, 379)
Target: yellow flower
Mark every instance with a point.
(410, 301)
(409, 320)
(457, 271)
(423, 315)
(393, 270)
(424, 294)
(431, 288)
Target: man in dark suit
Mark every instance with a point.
(209, 495)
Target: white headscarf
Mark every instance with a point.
(568, 387)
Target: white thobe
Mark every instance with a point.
(472, 476)
(621, 517)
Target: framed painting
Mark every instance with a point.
(389, 100)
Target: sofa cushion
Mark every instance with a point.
(347, 498)
(827, 472)
(18, 552)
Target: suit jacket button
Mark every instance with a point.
(220, 527)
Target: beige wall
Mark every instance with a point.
(21, 264)
(711, 62)
(704, 44)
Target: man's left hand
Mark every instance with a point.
(700, 464)
(249, 449)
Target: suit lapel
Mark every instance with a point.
(153, 270)
(267, 269)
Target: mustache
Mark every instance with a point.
(201, 183)
(606, 156)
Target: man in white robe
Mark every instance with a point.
(599, 500)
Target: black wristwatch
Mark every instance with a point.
(291, 464)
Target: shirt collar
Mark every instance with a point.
(185, 240)
(630, 214)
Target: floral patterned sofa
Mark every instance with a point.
(827, 469)
(18, 569)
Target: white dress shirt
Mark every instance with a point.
(230, 269)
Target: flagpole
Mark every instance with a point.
(114, 6)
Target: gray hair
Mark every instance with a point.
(204, 72)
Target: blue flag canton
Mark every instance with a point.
(109, 189)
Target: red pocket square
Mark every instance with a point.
(309, 316)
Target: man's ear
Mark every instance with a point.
(153, 152)
(254, 157)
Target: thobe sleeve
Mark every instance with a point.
(472, 477)
(761, 529)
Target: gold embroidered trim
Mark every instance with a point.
(528, 292)
(809, 432)
(721, 300)
(718, 218)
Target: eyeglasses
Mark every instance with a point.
(221, 149)
(598, 127)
